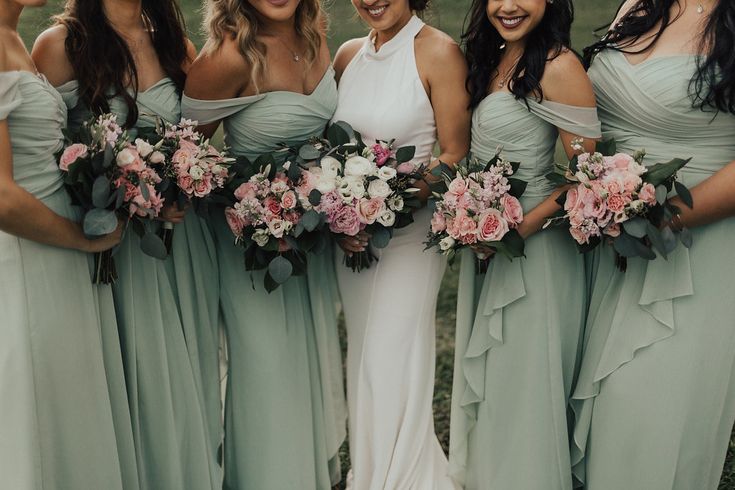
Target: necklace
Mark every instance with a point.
(294, 55)
(504, 79)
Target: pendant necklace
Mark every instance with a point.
(294, 55)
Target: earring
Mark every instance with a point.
(550, 2)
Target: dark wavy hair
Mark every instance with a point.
(418, 5)
(103, 64)
(713, 86)
(483, 47)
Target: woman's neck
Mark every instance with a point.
(382, 37)
(282, 29)
(10, 14)
(124, 15)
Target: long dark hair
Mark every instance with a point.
(713, 86)
(103, 64)
(483, 47)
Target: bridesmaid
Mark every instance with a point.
(129, 57)
(520, 324)
(656, 393)
(265, 75)
(405, 80)
(56, 419)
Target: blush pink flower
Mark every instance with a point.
(491, 227)
(458, 186)
(438, 222)
(512, 210)
(246, 190)
(368, 210)
(203, 187)
(647, 194)
(272, 206)
(382, 155)
(289, 200)
(72, 154)
(616, 203)
(235, 222)
(345, 221)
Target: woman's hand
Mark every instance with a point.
(354, 244)
(482, 251)
(173, 214)
(106, 242)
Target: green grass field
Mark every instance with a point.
(449, 16)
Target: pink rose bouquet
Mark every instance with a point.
(614, 198)
(110, 178)
(477, 204)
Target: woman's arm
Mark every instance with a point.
(713, 199)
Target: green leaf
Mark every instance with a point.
(151, 244)
(381, 238)
(280, 269)
(557, 179)
(657, 240)
(685, 235)
(514, 243)
(405, 154)
(662, 172)
(684, 194)
(144, 191)
(517, 187)
(661, 194)
(607, 147)
(270, 283)
(109, 157)
(98, 222)
(311, 220)
(574, 164)
(315, 197)
(309, 152)
(101, 191)
(669, 239)
(636, 227)
(294, 172)
(628, 246)
(337, 135)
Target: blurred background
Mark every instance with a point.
(448, 15)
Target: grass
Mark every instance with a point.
(447, 15)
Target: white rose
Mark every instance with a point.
(396, 203)
(196, 172)
(379, 188)
(125, 158)
(261, 237)
(357, 188)
(326, 185)
(330, 167)
(157, 157)
(387, 218)
(446, 243)
(386, 173)
(637, 168)
(358, 166)
(144, 148)
(277, 227)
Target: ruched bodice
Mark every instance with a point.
(528, 134)
(161, 100)
(381, 94)
(258, 124)
(36, 116)
(649, 106)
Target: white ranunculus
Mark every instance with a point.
(144, 148)
(358, 166)
(330, 167)
(125, 157)
(386, 173)
(379, 188)
(196, 172)
(446, 243)
(261, 237)
(396, 203)
(387, 218)
(357, 187)
(277, 227)
(157, 157)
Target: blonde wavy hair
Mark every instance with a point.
(238, 19)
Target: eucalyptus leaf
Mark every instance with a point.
(517, 187)
(669, 239)
(662, 172)
(101, 191)
(657, 240)
(109, 156)
(685, 235)
(98, 222)
(381, 238)
(151, 244)
(144, 191)
(280, 269)
(636, 227)
(661, 194)
(309, 152)
(684, 194)
(315, 197)
(311, 220)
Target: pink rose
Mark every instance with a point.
(647, 194)
(512, 210)
(406, 168)
(203, 187)
(292, 217)
(631, 182)
(246, 190)
(235, 222)
(272, 206)
(368, 210)
(438, 222)
(289, 200)
(186, 183)
(72, 154)
(458, 186)
(345, 221)
(464, 225)
(579, 235)
(621, 161)
(492, 227)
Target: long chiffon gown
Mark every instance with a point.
(284, 410)
(519, 326)
(656, 393)
(389, 308)
(167, 319)
(59, 428)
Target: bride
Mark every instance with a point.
(406, 81)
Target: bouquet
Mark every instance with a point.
(110, 179)
(614, 198)
(273, 219)
(191, 169)
(360, 187)
(477, 205)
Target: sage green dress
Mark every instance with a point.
(285, 409)
(167, 318)
(60, 426)
(656, 393)
(519, 326)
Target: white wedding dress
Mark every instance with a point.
(390, 308)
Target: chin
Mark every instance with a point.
(388, 13)
(276, 10)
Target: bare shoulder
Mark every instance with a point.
(217, 73)
(345, 55)
(49, 55)
(565, 80)
(431, 42)
(439, 58)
